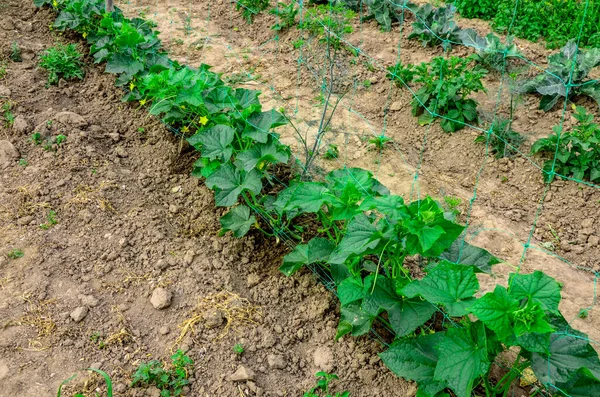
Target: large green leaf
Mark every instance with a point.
(259, 125)
(259, 155)
(447, 284)
(568, 352)
(354, 320)
(350, 290)
(538, 286)
(238, 220)
(495, 310)
(308, 197)
(390, 205)
(466, 254)
(228, 182)
(121, 63)
(362, 179)
(582, 384)
(463, 358)
(317, 250)
(214, 142)
(409, 314)
(416, 359)
(361, 235)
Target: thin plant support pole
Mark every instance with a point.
(109, 6)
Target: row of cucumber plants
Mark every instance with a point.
(442, 336)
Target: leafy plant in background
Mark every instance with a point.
(286, 15)
(15, 253)
(401, 74)
(62, 61)
(329, 23)
(387, 12)
(15, 52)
(171, 380)
(445, 88)
(503, 141)
(574, 153)
(332, 152)
(322, 386)
(250, 8)
(490, 50)
(570, 66)
(379, 142)
(435, 26)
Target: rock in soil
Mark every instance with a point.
(70, 119)
(276, 361)
(21, 125)
(161, 298)
(323, 358)
(79, 314)
(242, 374)
(8, 154)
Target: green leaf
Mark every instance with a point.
(259, 155)
(568, 352)
(214, 142)
(361, 235)
(463, 358)
(350, 290)
(409, 314)
(238, 220)
(582, 384)
(495, 310)
(447, 284)
(259, 125)
(416, 359)
(390, 205)
(337, 180)
(228, 182)
(308, 197)
(317, 250)
(120, 63)
(531, 319)
(354, 320)
(466, 254)
(537, 286)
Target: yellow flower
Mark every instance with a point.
(84, 35)
(203, 120)
(183, 107)
(54, 3)
(185, 129)
(143, 102)
(131, 86)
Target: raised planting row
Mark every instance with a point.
(349, 227)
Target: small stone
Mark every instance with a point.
(26, 220)
(367, 375)
(213, 319)
(323, 358)
(121, 152)
(8, 154)
(161, 298)
(161, 264)
(593, 241)
(276, 361)
(253, 280)
(189, 256)
(4, 91)
(79, 314)
(115, 136)
(68, 342)
(97, 365)
(4, 371)
(242, 374)
(7, 24)
(70, 119)
(89, 300)
(396, 106)
(278, 328)
(173, 209)
(21, 125)
(163, 330)
(252, 386)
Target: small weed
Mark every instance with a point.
(36, 138)
(366, 83)
(298, 43)
(98, 340)
(3, 71)
(332, 152)
(322, 386)
(379, 141)
(503, 141)
(171, 380)
(62, 61)
(50, 220)
(178, 41)
(250, 8)
(238, 348)
(60, 139)
(23, 163)
(453, 204)
(7, 113)
(402, 74)
(15, 253)
(583, 313)
(15, 52)
(187, 25)
(286, 16)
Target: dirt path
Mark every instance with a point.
(131, 220)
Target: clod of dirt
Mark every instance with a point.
(8, 154)
(4, 91)
(70, 119)
(163, 330)
(121, 152)
(253, 280)
(242, 374)
(276, 361)
(396, 106)
(89, 300)
(213, 319)
(7, 24)
(21, 125)
(79, 314)
(161, 298)
(189, 256)
(323, 359)
(4, 371)
(367, 375)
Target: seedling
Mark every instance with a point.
(23, 162)
(286, 16)
(250, 8)
(298, 43)
(15, 52)
(332, 152)
(503, 141)
(322, 386)
(62, 61)
(15, 253)
(60, 139)
(584, 313)
(7, 113)
(170, 380)
(379, 141)
(36, 138)
(238, 348)
(50, 220)
(402, 75)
